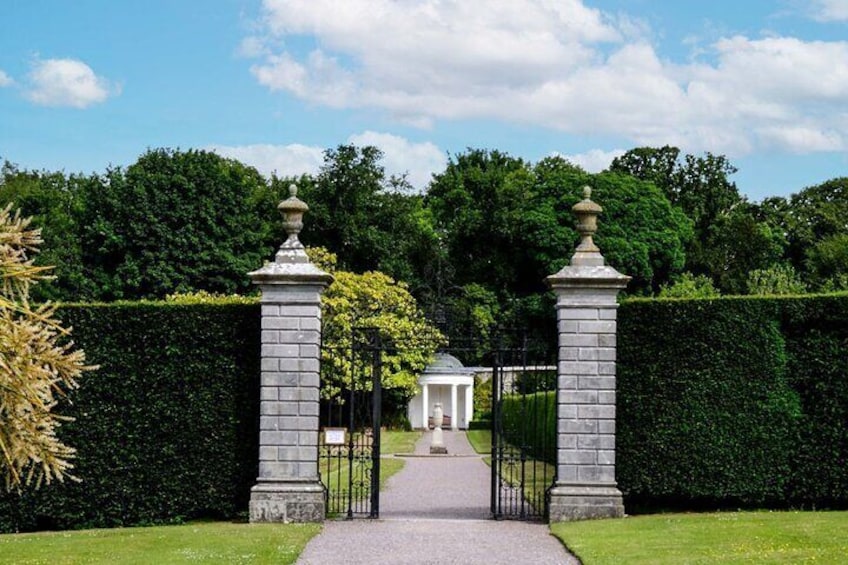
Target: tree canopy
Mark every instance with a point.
(478, 241)
(173, 221)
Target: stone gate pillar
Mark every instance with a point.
(288, 488)
(586, 306)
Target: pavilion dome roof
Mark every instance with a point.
(446, 364)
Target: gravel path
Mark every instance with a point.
(436, 510)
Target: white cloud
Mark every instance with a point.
(284, 160)
(594, 160)
(400, 156)
(829, 10)
(560, 65)
(5, 80)
(252, 46)
(66, 82)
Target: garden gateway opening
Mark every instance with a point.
(578, 398)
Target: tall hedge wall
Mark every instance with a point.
(736, 401)
(166, 429)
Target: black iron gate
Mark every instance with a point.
(349, 442)
(523, 431)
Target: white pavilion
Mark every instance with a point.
(448, 382)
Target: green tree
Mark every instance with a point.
(700, 186)
(478, 204)
(739, 242)
(827, 263)
(373, 300)
(507, 224)
(54, 201)
(816, 220)
(371, 220)
(37, 365)
(174, 221)
(779, 279)
(639, 232)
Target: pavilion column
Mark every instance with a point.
(289, 488)
(425, 406)
(454, 408)
(586, 292)
(469, 405)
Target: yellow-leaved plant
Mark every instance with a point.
(372, 300)
(38, 365)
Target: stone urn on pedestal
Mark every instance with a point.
(437, 445)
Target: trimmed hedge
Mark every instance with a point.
(733, 402)
(816, 333)
(531, 421)
(166, 429)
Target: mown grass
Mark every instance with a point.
(398, 442)
(480, 440)
(206, 542)
(723, 537)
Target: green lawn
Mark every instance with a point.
(480, 440)
(392, 442)
(724, 537)
(206, 542)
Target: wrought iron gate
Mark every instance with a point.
(349, 442)
(523, 431)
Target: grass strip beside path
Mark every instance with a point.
(201, 542)
(398, 442)
(480, 440)
(722, 537)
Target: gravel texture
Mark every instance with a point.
(436, 510)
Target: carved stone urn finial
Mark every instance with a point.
(587, 253)
(293, 209)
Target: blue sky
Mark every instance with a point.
(90, 83)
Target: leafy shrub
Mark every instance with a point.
(688, 285)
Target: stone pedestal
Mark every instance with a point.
(586, 292)
(289, 488)
(437, 444)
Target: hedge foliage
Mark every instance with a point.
(531, 420)
(166, 429)
(733, 402)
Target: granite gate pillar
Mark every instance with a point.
(586, 292)
(289, 488)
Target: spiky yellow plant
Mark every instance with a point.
(38, 365)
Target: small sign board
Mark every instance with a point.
(334, 436)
